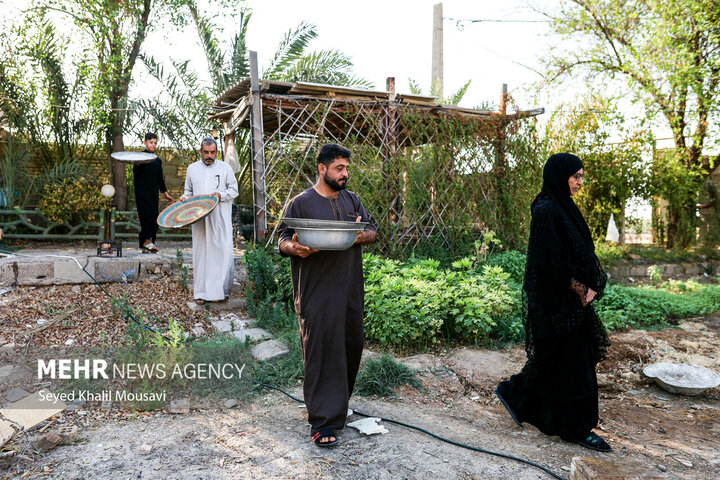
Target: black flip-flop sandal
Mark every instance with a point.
(325, 432)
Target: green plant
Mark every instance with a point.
(655, 273)
(413, 304)
(382, 375)
(182, 268)
(223, 350)
(512, 262)
(149, 349)
(61, 202)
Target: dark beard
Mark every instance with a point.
(333, 184)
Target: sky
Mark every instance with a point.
(394, 38)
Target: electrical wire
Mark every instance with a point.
(438, 437)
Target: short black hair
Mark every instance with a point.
(330, 151)
(150, 136)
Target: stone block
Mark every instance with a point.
(48, 441)
(113, 269)
(8, 272)
(181, 405)
(252, 334)
(692, 269)
(269, 350)
(35, 273)
(15, 394)
(638, 271)
(588, 468)
(68, 433)
(68, 271)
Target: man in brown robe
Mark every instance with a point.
(329, 295)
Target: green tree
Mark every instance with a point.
(182, 116)
(614, 171)
(668, 54)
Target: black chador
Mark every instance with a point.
(557, 388)
(149, 183)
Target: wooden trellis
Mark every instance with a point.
(423, 170)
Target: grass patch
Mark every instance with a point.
(381, 376)
(224, 350)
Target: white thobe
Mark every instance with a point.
(212, 237)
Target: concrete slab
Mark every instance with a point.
(68, 271)
(113, 270)
(589, 468)
(35, 272)
(252, 334)
(269, 350)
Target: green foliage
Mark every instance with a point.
(655, 273)
(382, 375)
(61, 202)
(413, 305)
(614, 172)
(147, 348)
(268, 276)
(647, 306)
(512, 262)
(667, 55)
(269, 293)
(611, 254)
(223, 349)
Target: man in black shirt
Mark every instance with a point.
(148, 180)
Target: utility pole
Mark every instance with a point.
(437, 51)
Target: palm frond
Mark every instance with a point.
(324, 66)
(415, 88)
(239, 65)
(456, 97)
(291, 48)
(213, 53)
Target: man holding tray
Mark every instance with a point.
(212, 239)
(148, 180)
(328, 295)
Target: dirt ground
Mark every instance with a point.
(677, 436)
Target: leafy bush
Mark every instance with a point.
(380, 376)
(414, 304)
(512, 262)
(646, 306)
(60, 202)
(268, 276)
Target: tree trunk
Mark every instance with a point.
(119, 173)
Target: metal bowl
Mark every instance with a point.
(682, 378)
(134, 157)
(325, 234)
(327, 238)
(316, 223)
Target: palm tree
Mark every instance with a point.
(183, 117)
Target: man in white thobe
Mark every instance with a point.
(212, 238)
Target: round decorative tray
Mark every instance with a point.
(325, 234)
(682, 378)
(134, 157)
(187, 212)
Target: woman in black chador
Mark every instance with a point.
(564, 339)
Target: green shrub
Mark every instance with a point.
(412, 305)
(268, 276)
(647, 306)
(512, 262)
(380, 376)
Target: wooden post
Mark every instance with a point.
(258, 155)
(437, 50)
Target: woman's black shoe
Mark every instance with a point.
(595, 442)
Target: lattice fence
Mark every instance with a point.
(431, 178)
